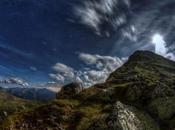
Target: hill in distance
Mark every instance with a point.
(39, 92)
(10, 105)
(140, 95)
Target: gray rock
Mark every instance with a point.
(125, 117)
(70, 90)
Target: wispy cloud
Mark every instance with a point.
(63, 73)
(156, 17)
(97, 70)
(101, 62)
(15, 50)
(105, 17)
(14, 81)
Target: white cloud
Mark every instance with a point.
(33, 68)
(170, 56)
(87, 58)
(89, 17)
(130, 33)
(101, 62)
(97, 70)
(99, 13)
(14, 81)
(61, 68)
(104, 65)
(63, 73)
(161, 48)
(57, 77)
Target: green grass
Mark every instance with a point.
(131, 84)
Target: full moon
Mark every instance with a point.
(158, 41)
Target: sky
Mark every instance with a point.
(84, 41)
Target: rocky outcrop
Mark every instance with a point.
(163, 110)
(125, 117)
(70, 90)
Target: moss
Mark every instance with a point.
(171, 123)
(163, 108)
(13, 106)
(148, 122)
(121, 85)
(66, 102)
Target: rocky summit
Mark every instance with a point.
(140, 95)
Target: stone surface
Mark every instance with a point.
(70, 90)
(126, 117)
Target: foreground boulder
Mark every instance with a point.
(70, 90)
(125, 117)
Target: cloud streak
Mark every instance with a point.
(12, 49)
(14, 81)
(156, 17)
(105, 17)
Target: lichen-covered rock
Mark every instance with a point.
(125, 117)
(164, 110)
(135, 92)
(99, 125)
(70, 90)
(162, 90)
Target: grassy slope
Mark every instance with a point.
(10, 105)
(91, 107)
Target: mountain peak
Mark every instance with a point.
(143, 52)
(145, 63)
(148, 58)
(144, 55)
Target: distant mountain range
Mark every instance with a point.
(40, 92)
(140, 95)
(37, 94)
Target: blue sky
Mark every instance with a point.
(35, 35)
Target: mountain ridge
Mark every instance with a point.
(139, 95)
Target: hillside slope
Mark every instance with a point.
(138, 96)
(10, 105)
